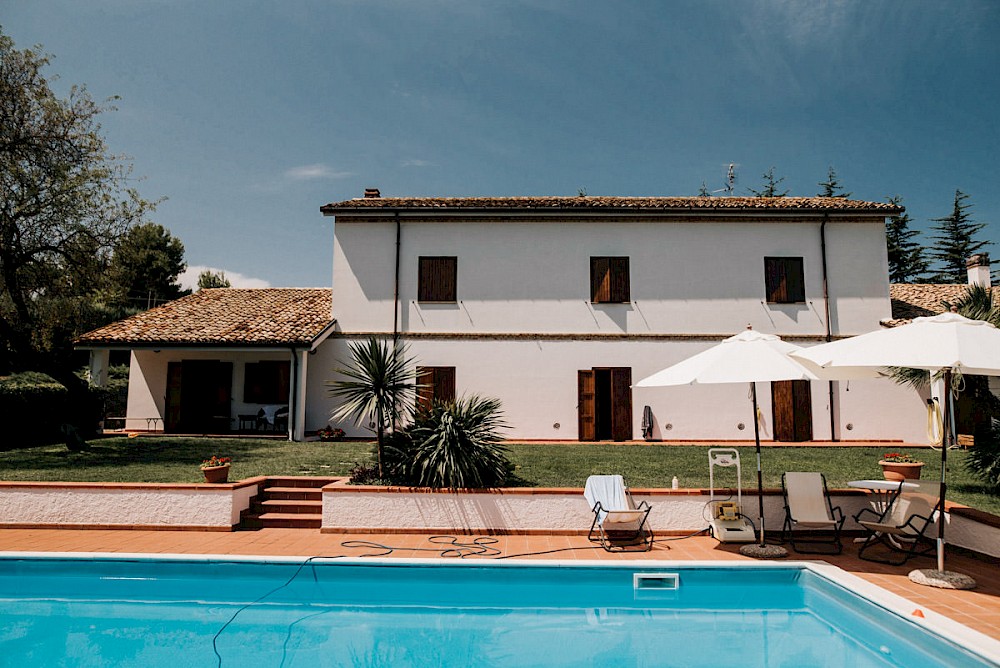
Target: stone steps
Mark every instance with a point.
(287, 503)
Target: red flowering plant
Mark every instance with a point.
(215, 460)
(329, 433)
(899, 458)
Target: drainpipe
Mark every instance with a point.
(829, 332)
(395, 298)
(395, 306)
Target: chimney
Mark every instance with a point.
(978, 267)
(372, 193)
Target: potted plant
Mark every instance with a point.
(329, 433)
(216, 469)
(900, 466)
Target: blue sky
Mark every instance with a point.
(248, 116)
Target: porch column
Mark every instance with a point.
(99, 360)
(297, 418)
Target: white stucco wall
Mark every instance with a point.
(536, 380)
(530, 510)
(106, 504)
(686, 277)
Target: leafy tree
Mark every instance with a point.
(212, 279)
(145, 266)
(955, 242)
(380, 388)
(831, 187)
(65, 201)
(459, 444)
(770, 187)
(906, 257)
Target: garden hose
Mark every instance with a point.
(935, 427)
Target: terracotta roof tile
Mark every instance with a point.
(614, 203)
(915, 300)
(226, 317)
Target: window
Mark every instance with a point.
(266, 383)
(438, 279)
(609, 280)
(437, 383)
(784, 280)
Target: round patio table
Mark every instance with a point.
(880, 493)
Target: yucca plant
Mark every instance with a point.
(459, 444)
(380, 387)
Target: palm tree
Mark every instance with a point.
(380, 387)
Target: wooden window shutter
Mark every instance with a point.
(444, 383)
(438, 279)
(436, 383)
(621, 402)
(620, 292)
(784, 280)
(600, 280)
(609, 283)
(586, 409)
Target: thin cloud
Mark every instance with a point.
(413, 162)
(189, 278)
(315, 172)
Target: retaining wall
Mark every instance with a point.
(125, 505)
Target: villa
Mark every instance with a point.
(555, 305)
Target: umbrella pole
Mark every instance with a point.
(760, 478)
(946, 442)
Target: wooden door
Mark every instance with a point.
(792, 410)
(205, 396)
(585, 406)
(621, 404)
(172, 400)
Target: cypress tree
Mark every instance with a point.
(770, 187)
(831, 187)
(955, 242)
(906, 257)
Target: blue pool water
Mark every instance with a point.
(107, 612)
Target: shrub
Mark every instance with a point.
(39, 405)
(984, 457)
(458, 444)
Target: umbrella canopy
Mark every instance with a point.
(747, 357)
(946, 342)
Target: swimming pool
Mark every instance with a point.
(169, 612)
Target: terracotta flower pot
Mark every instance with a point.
(216, 473)
(901, 470)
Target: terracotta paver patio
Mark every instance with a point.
(978, 609)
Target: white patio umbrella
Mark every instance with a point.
(946, 342)
(748, 357)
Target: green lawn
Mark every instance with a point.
(170, 459)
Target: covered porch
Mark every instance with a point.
(221, 361)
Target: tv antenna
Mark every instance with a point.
(730, 181)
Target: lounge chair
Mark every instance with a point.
(906, 526)
(808, 507)
(618, 522)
